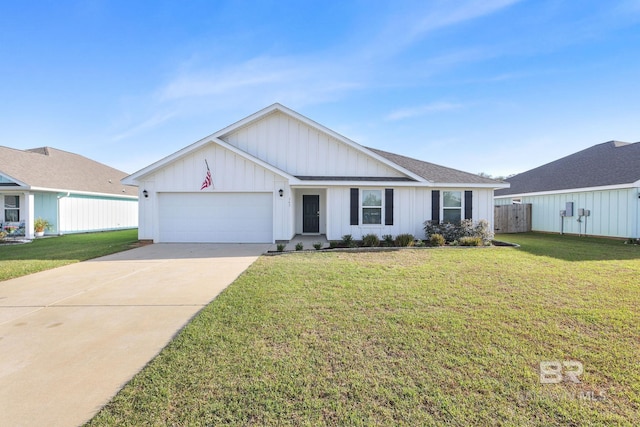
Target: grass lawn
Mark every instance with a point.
(42, 254)
(449, 336)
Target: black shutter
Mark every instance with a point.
(468, 204)
(354, 206)
(435, 206)
(388, 206)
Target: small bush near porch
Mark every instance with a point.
(414, 337)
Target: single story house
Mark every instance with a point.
(276, 174)
(595, 191)
(73, 193)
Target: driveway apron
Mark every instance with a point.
(71, 337)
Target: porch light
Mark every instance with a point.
(281, 192)
(145, 193)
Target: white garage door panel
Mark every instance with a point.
(216, 218)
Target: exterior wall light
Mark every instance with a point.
(145, 193)
(281, 192)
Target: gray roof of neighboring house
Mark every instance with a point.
(609, 163)
(433, 172)
(47, 167)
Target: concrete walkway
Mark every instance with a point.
(71, 337)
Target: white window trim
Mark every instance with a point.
(4, 208)
(362, 207)
(443, 208)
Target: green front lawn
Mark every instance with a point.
(414, 337)
(42, 254)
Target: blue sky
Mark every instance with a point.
(494, 86)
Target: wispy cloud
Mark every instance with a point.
(421, 110)
(147, 124)
(409, 26)
(206, 84)
(441, 17)
(305, 78)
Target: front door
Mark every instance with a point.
(310, 214)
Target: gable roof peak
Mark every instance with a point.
(619, 143)
(39, 150)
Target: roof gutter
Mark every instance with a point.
(83, 193)
(427, 184)
(568, 190)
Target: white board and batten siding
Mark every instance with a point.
(411, 208)
(295, 147)
(243, 189)
(82, 214)
(614, 213)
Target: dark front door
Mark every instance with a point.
(310, 214)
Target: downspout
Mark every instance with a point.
(58, 213)
(638, 215)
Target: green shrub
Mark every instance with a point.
(419, 243)
(281, 247)
(347, 241)
(317, 245)
(371, 240)
(299, 246)
(388, 240)
(436, 239)
(405, 239)
(483, 231)
(466, 228)
(470, 241)
(333, 244)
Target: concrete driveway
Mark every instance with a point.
(71, 337)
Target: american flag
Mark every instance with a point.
(207, 179)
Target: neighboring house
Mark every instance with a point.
(276, 174)
(73, 193)
(603, 179)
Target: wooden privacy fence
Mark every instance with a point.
(512, 218)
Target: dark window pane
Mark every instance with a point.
(12, 215)
(371, 216)
(371, 197)
(12, 202)
(452, 199)
(451, 215)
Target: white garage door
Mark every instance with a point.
(216, 217)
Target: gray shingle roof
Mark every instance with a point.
(609, 163)
(433, 172)
(47, 167)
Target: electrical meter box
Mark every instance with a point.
(580, 212)
(569, 209)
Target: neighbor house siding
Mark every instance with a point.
(84, 213)
(46, 206)
(614, 213)
(295, 147)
